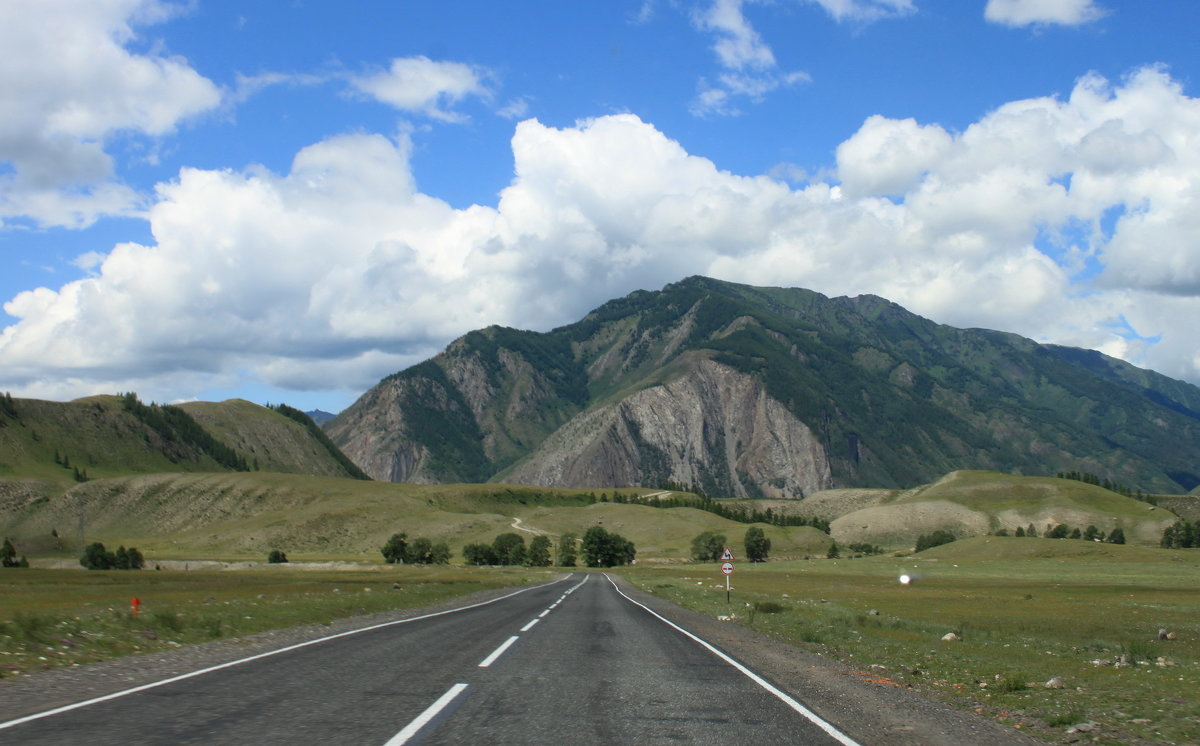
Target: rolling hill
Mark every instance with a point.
(102, 436)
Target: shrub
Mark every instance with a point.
(276, 557)
(769, 607)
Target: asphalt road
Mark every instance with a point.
(575, 661)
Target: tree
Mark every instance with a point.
(604, 549)
(509, 549)
(96, 557)
(479, 554)
(708, 546)
(420, 551)
(276, 557)
(1020, 531)
(834, 552)
(135, 559)
(758, 546)
(395, 551)
(1061, 531)
(566, 549)
(8, 554)
(439, 553)
(1117, 536)
(539, 552)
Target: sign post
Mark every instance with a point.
(727, 568)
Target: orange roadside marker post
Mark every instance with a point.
(135, 603)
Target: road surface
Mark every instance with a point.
(573, 661)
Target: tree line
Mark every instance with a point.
(1181, 535)
(709, 546)
(597, 548)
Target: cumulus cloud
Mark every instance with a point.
(1037, 12)
(341, 270)
(68, 82)
(421, 85)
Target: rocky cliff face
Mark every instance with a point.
(775, 392)
(712, 427)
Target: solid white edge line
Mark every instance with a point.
(783, 696)
(230, 664)
(423, 719)
(530, 626)
(498, 651)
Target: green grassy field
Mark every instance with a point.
(1027, 611)
(51, 618)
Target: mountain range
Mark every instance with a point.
(747, 391)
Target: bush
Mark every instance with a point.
(276, 557)
(769, 607)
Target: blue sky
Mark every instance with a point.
(289, 201)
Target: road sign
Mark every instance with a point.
(728, 555)
(727, 568)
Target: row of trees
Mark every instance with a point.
(1182, 535)
(599, 548)
(739, 513)
(710, 545)
(420, 551)
(1063, 531)
(96, 557)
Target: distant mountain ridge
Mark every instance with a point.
(776, 392)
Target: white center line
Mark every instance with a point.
(544, 613)
(498, 652)
(423, 719)
(529, 626)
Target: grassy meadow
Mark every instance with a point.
(1026, 610)
(51, 618)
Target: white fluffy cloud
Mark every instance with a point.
(1031, 12)
(1071, 220)
(419, 84)
(68, 83)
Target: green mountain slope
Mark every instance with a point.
(105, 436)
(768, 392)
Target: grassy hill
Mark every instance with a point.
(244, 515)
(970, 503)
(110, 436)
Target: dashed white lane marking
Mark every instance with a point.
(530, 626)
(498, 651)
(833, 732)
(423, 719)
(181, 677)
